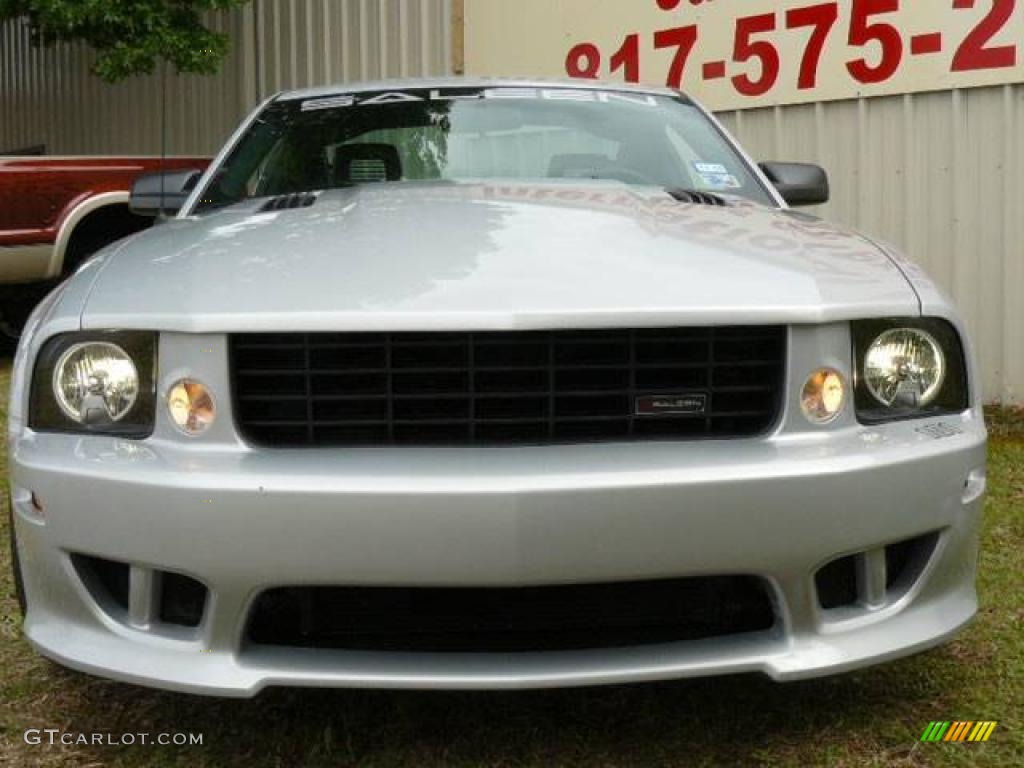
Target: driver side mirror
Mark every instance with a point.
(157, 194)
(798, 183)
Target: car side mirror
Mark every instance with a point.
(798, 183)
(156, 194)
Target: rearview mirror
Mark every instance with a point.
(158, 194)
(798, 183)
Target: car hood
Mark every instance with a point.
(493, 257)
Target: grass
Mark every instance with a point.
(870, 718)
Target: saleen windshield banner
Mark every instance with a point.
(735, 54)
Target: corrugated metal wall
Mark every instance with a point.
(49, 97)
(941, 175)
(311, 42)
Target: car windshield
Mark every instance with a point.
(470, 134)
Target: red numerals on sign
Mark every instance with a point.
(745, 49)
(821, 19)
(881, 41)
(584, 60)
(864, 32)
(682, 39)
(974, 53)
(628, 58)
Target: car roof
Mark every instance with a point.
(470, 82)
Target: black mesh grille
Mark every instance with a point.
(510, 619)
(492, 388)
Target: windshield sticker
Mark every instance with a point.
(716, 176)
(437, 94)
(391, 98)
(329, 103)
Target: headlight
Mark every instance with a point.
(908, 369)
(904, 366)
(95, 382)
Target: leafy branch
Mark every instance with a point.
(130, 36)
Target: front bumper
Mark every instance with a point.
(242, 521)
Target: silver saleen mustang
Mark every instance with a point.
(488, 384)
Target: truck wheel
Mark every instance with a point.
(10, 331)
(98, 230)
(16, 304)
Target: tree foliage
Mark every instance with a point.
(130, 36)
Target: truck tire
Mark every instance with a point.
(97, 230)
(16, 304)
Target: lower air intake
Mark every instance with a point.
(510, 619)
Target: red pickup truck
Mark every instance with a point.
(57, 211)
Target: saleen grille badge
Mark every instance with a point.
(671, 405)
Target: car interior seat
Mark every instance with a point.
(363, 163)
